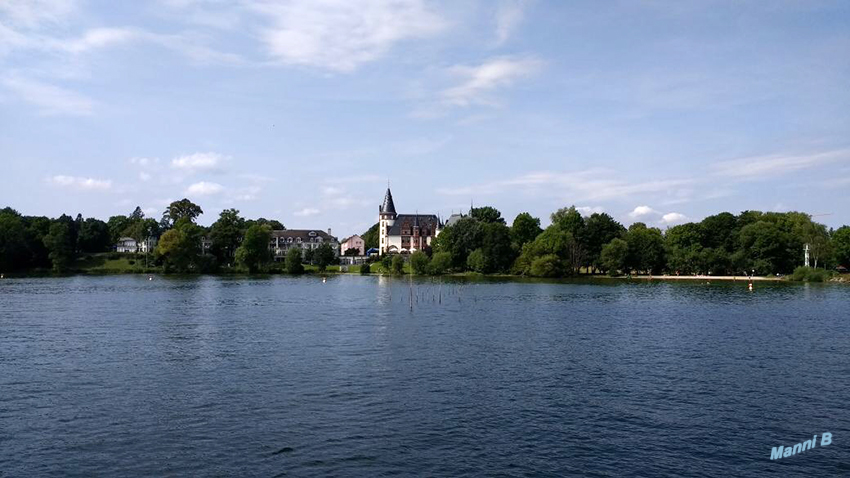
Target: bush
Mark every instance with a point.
(808, 274)
(476, 261)
(419, 262)
(546, 266)
(293, 261)
(397, 264)
(132, 262)
(365, 269)
(386, 262)
(440, 263)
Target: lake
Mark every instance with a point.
(283, 376)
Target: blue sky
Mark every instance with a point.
(301, 110)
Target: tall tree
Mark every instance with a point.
(600, 229)
(94, 236)
(646, 248)
(179, 248)
(324, 256)
(486, 214)
(370, 237)
(227, 231)
(254, 252)
(60, 243)
(182, 209)
(13, 241)
(841, 245)
(525, 229)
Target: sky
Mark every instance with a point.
(304, 110)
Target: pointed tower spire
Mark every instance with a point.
(388, 207)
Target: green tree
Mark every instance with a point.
(441, 262)
(273, 224)
(60, 245)
(94, 236)
(351, 252)
(370, 237)
(614, 256)
(387, 262)
(548, 265)
(13, 241)
(768, 249)
(646, 248)
(525, 229)
(365, 269)
(226, 234)
(324, 256)
(496, 247)
(293, 261)
(552, 241)
(182, 209)
(253, 254)
(397, 264)
(419, 262)
(841, 245)
(600, 229)
(179, 248)
(476, 261)
(459, 239)
(117, 225)
(487, 215)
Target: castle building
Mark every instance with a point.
(404, 233)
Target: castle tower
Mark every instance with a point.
(386, 218)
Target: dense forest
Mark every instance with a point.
(766, 243)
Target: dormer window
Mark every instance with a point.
(298, 240)
(312, 233)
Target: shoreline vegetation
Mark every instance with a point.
(762, 246)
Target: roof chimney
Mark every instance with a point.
(329, 232)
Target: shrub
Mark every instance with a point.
(132, 262)
(546, 266)
(293, 261)
(419, 262)
(365, 269)
(476, 261)
(440, 263)
(386, 262)
(808, 274)
(397, 264)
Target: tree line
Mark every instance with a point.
(722, 244)
(37, 242)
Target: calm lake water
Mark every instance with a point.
(279, 376)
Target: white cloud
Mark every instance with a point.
(99, 38)
(641, 211)
(479, 82)
(198, 162)
(307, 211)
(588, 210)
(758, 167)
(509, 14)
(673, 218)
(340, 35)
(50, 99)
(80, 183)
(143, 176)
(204, 188)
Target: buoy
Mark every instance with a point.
(150, 277)
(324, 279)
(750, 287)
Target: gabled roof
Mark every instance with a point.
(429, 221)
(304, 234)
(351, 237)
(388, 206)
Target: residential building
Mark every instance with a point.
(305, 239)
(128, 244)
(404, 233)
(352, 242)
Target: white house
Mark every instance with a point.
(128, 244)
(404, 233)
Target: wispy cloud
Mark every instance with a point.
(49, 99)
(34, 13)
(509, 14)
(478, 83)
(340, 35)
(198, 162)
(81, 183)
(592, 184)
(204, 188)
(772, 165)
(306, 212)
